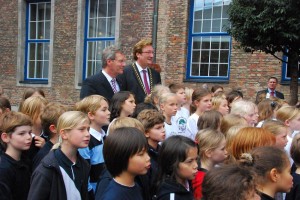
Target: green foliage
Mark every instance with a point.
(267, 25)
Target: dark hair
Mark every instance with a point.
(210, 119)
(150, 117)
(120, 145)
(117, 102)
(272, 77)
(28, 93)
(263, 159)
(215, 87)
(4, 103)
(295, 150)
(228, 182)
(143, 106)
(232, 95)
(174, 87)
(173, 151)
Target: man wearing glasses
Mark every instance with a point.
(138, 77)
(105, 83)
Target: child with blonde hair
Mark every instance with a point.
(168, 107)
(96, 108)
(279, 129)
(220, 103)
(188, 93)
(211, 145)
(63, 173)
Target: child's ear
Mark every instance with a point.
(52, 128)
(274, 175)
(287, 122)
(207, 153)
(5, 137)
(161, 106)
(63, 134)
(147, 134)
(90, 115)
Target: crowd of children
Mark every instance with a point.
(180, 143)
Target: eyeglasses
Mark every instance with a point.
(148, 52)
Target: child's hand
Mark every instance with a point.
(39, 141)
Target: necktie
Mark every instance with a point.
(113, 84)
(146, 82)
(272, 93)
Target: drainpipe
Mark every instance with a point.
(154, 30)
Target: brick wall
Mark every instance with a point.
(249, 72)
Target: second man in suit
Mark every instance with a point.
(138, 77)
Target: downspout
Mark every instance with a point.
(154, 30)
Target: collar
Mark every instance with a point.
(269, 90)
(63, 159)
(139, 67)
(108, 77)
(96, 134)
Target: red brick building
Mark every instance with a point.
(56, 44)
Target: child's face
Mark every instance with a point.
(281, 139)
(78, 137)
(129, 106)
(187, 169)
(20, 139)
(139, 163)
(102, 115)
(219, 154)
(294, 123)
(169, 108)
(204, 104)
(285, 179)
(181, 96)
(223, 108)
(157, 133)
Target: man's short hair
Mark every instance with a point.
(150, 118)
(138, 47)
(109, 53)
(272, 77)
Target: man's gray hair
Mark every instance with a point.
(109, 53)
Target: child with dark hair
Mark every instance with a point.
(125, 158)
(122, 105)
(177, 167)
(15, 129)
(4, 105)
(153, 122)
(210, 119)
(229, 182)
(294, 194)
(272, 169)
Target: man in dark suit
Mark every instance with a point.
(105, 83)
(138, 77)
(270, 91)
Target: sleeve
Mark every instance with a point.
(40, 186)
(87, 88)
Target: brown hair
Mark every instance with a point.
(150, 117)
(231, 120)
(32, 106)
(248, 138)
(287, 113)
(174, 87)
(210, 119)
(28, 93)
(265, 109)
(9, 121)
(138, 47)
(197, 95)
(126, 122)
(295, 150)
(90, 104)
(274, 126)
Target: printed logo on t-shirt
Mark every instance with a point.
(181, 122)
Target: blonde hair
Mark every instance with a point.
(231, 133)
(155, 94)
(32, 106)
(138, 47)
(208, 139)
(68, 121)
(90, 104)
(287, 113)
(274, 126)
(125, 122)
(217, 100)
(231, 120)
(188, 93)
(164, 98)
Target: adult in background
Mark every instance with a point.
(105, 83)
(138, 77)
(270, 91)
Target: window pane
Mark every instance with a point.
(198, 14)
(216, 25)
(204, 56)
(213, 70)
(223, 70)
(196, 56)
(32, 10)
(204, 70)
(195, 70)
(217, 12)
(32, 34)
(206, 26)
(31, 70)
(31, 52)
(224, 56)
(214, 56)
(207, 14)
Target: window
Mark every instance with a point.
(37, 42)
(286, 74)
(100, 32)
(209, 43)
